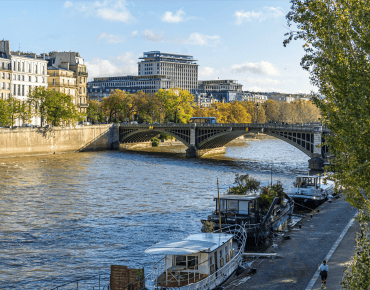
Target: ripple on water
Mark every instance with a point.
(66, 216)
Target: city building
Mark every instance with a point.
(279, 97)
(181, 69)
(103, 86)
(211, 86)
(74, 62)
(5, 70)
(62, 80)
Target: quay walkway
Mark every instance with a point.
(328, 234)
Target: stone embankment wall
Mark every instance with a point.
(27, 141)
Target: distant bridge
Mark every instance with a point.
(203, 139)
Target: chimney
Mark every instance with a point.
(4, 47)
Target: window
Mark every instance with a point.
(22, 90)
(29, 78)
(55, 73)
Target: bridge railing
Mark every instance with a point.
(294, 127)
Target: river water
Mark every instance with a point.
(69, 216)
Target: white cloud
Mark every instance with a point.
(111, 38)
(262, 15)
(68, 4)
(206, 71)
(125, 64)
(113, 10)
(200, 39)
(134, 33)
(263, 68)
(152, 36)
(174, 17)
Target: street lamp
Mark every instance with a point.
(160, 109)
(133, 114)
(257, 111)
(216, 113)
(153, 117)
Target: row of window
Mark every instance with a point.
(5, 96)
(63, 82)
(5, 86)
(5, 76)
(29, 67)
(24, 78)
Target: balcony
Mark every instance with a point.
(83, 105)
(85, 74)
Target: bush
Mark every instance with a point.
(164, 136)
(155, 142)
(208, 227)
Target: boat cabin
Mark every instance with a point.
(307, 181)
(238, 204)
(192, 259)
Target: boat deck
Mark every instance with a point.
(175, 279)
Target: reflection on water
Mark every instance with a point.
(71, 215)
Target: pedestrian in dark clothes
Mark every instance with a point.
(324, 269)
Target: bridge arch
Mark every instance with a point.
(146, 135)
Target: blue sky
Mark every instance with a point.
(239, 40)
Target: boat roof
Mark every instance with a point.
(205, 242)
(308, 176)
(239, 197)
(218, 238)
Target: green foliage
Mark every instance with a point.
(53, 107)
(357, 274)
(208, 227)
(164, 136)
(155, 142)
(244, 185)
(95, 111)
(337, 48)
(268, 193)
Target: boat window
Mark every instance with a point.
(180, 261)
(222, 262)
(210, 260)
(232, 205)
(243, 207)
(192, 262)
(252, 205)
(227, 258)
(223, 205)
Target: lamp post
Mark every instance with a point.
(160, 109)
(179, 113)
(257, 111)
(133, 114)
(153, 117)
(216, 113)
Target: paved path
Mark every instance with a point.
(302, 254)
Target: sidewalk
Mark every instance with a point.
(338, 261)
(300, 256)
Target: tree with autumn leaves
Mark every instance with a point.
(335, 36)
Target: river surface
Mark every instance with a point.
(69, 216)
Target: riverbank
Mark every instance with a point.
(34, 141)
(299, 256)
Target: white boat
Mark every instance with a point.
(311, 191)
(200, 261)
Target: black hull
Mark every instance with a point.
(262, 230)
(307, 203)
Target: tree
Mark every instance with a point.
(177, 103)
(5, 116)
(336, 42)
(272, 111)
(53, 107)
(95, 111)
(244, 185)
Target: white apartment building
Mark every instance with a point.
(181, 69)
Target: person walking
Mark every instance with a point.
(324, 269)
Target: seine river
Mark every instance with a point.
(70, 216)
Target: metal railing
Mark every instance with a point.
(96, 282)
(211, 281)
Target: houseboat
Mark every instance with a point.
(200, 261)
(311, 191)
(244, 210)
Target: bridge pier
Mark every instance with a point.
(316, 164)
(193, 152)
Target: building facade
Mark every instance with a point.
(74, 62)
(181, 69)
(5, 72)
(219, 86)
(102, 87)
(62, 80)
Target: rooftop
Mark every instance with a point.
(205, 242)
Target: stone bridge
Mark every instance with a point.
(203, 139)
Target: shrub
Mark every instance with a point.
(155, 142)
(164, 136)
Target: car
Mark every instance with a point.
(156, 123)
(133, 123)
